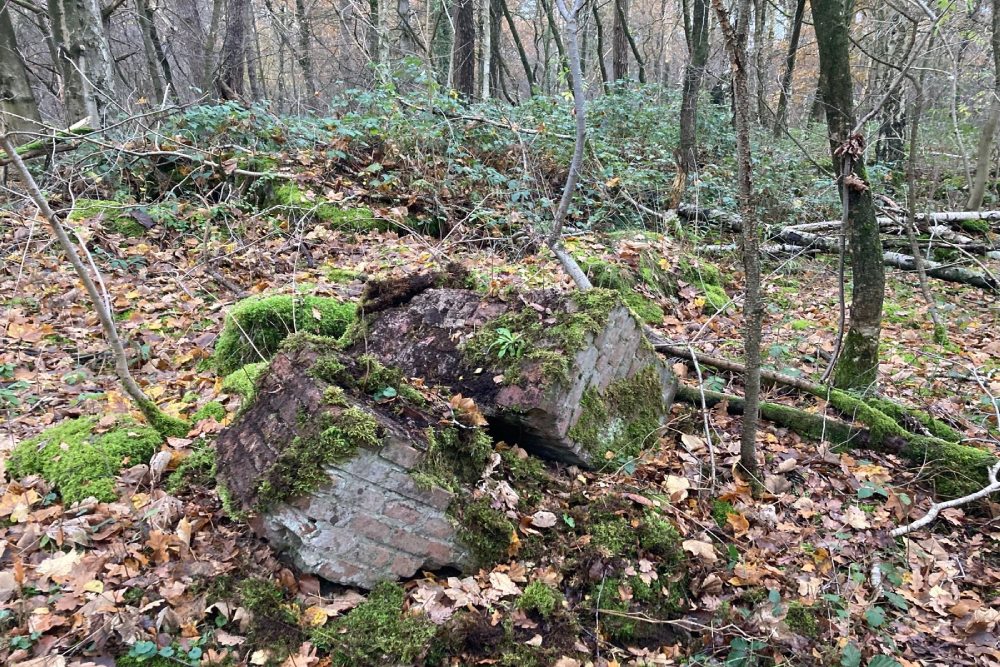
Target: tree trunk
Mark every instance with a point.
(85, 62)
(781, 115)
(599, 27)
(978, 189)
(759, 61)
(485, 48)
(18, 108)
(693, 76)
(153, 65)
(619, 41)
(753, 311)
(497, 64)
(231, 76)
(208, 77)
(465, 48)
(857, 366)
(305, 47)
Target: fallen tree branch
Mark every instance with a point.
(936, 508)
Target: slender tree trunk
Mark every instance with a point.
(18, 108)
(168, 426)
(857, 365)
(759, 61)
(302, 21)
(529, 74)
(465, 48)
(600, 45)
(255, 60)
(781, 114)
(978, 189)
(693, 76)
(622, 8)
(486, 49)
(753, 311)
(550, 18)
(85, 61)
(208, 57)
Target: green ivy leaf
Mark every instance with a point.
(883, 661)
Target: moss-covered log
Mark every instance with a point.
(807, 424)
(956, 469)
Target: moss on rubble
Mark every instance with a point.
(80, 461)
(376, 632)
(624, 419)
(198, 469)
(300, 468)
(114, 216)
(243, 381)
(550, 344)
(485, 530)
(708, 279)
(256, 327)
(294, 200)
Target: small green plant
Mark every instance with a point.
(507, 344)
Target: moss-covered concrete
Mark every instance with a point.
(624, 420)
(79, 460)
(300, 468)
(550, 344)
(256, 327)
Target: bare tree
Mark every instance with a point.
(465, 48)
(753, 311)
(857, 362)
(781, 114)
(232, 75)
(696, 33)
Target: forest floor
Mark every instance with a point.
(788, 581)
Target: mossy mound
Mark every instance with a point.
(377, 632)
(708, 279)
(196, 470)
(114, 216)
(243, 381)
(255, 327)
(295, 201)
(641, 286)
(211, 410)
(79, 461)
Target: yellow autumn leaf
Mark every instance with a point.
(314, 617)
(94, 586)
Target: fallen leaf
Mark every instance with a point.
(702, 550)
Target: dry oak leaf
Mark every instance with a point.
(702, 550)
(543, 519)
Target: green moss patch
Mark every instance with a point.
(539, 598)
(196, 470)
(243, 381)
(376, 632)
(212, 409)
(550, 344)
(624, 419)
(255, 327)
(802, 620)
(114, 216)
(79, 461)
(708, 279)
(293, 200)
(485, 530)
(334, 438)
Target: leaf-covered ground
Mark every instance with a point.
(786, 579)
